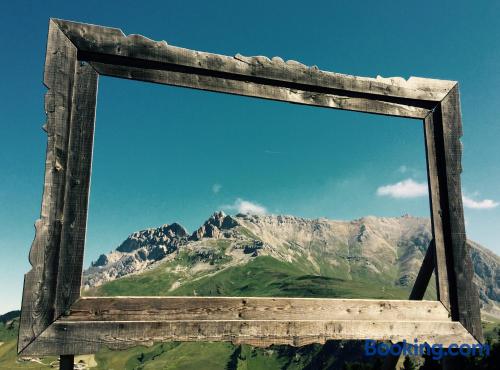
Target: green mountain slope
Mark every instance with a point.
(263, 276)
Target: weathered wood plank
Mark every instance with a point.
(82, 337)
(424, 274)
(435, 171)
(77, 188)
(39, 292)
(234, 308)
(246, 88)
(464, 296)
(105, 41)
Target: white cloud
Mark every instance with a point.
(404, 189)
(409, 171)
(403, 169)
(216, 188)
(246, 207)
(479, 204)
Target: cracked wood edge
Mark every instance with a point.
(56, 256)
(37, 309)
(106, 41)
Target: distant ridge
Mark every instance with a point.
(384, 250)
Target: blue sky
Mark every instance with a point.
(165, 154)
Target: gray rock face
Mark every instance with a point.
(143, 248)
(253, 248)
(101, 261)
(389, 249)
(487, 275)
(212, 228)
(166, 235)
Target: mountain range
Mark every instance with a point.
(263, 255)
(278, 255)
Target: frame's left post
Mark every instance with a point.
(66, 362)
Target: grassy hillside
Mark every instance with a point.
(262, 276)
(8, 349)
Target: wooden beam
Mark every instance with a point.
(82, 337)
(95, 42)
(77, 187)
(424, 274)
(436, 188)
(303, 94)
(234, 308)
(37, 309)
(463, 293)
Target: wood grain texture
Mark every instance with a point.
(37, 310)
(436, 171)
(321, 98)
(83, 337)
(105, 41)
(77, 187)
(234, 308)
(464, 296)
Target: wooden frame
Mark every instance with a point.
(56, 320)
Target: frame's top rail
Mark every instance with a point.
(113, 42)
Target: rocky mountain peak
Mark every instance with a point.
(168, 235)
(143, 248)
(214, 226)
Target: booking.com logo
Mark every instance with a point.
(437, 351)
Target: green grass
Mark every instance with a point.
(8, 350)
(491, 330)
(179, 356)
(244, 231)
(261, 277)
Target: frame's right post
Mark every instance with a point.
(454, 271)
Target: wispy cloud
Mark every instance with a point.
(404, 189)
(268, 151)
(479, 204)
(403, 169)
(409, 171)
(216, 188)
(246, 207)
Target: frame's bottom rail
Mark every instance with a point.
(81, 337)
